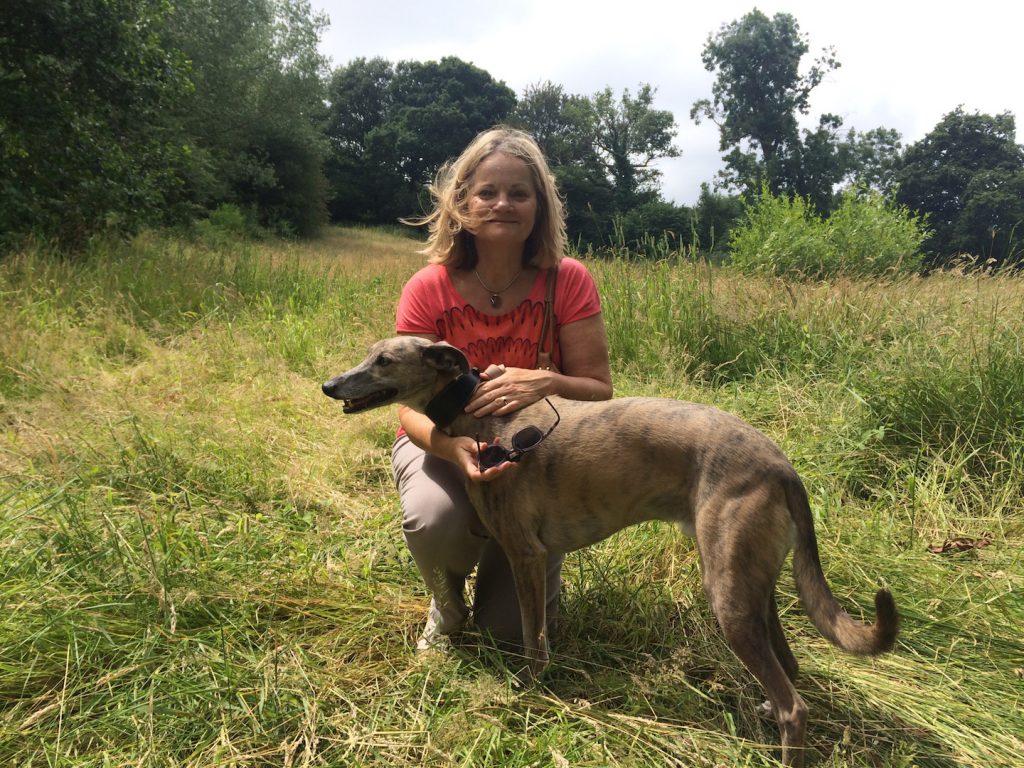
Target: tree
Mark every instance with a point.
(602, 151)
(360, 101)
(629, 135)
(440, 107)
(758, 93)
(396, 141)
(365, 186)
(83, 144)
(563, 126)
(118, 114)
(561, 123)
(757, 98)
(876, 155)
(254, 122)
(967, 176)
(816, 164)
(991, 225)
(655, 227)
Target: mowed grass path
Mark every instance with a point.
(201, 561)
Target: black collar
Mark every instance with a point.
(450, 401)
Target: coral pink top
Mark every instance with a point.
(430, 305)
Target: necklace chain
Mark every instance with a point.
(495, 297)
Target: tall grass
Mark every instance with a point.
(201, 560)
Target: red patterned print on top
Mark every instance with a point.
(431, 306)
(510, 339)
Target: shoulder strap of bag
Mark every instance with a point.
(548, 328)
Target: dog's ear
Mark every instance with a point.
(445, 358)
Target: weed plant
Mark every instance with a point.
(201, 560)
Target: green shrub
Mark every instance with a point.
(226, 225)
(873, 236)
(865, 236)
(781, 235)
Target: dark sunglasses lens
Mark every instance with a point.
(526, 438)
(492, 456)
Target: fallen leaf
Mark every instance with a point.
(962, 544)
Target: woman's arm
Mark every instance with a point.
(461, 451)
(425, 435)
(586, 373)
(586, 369)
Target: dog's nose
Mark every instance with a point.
(327, 387)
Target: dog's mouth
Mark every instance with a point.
(372, 400)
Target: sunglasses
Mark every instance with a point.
(523, 441)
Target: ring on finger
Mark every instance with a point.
(503, 400)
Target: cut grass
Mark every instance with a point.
(201, 560)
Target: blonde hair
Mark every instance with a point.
(450, 241)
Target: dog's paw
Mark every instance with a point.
(530, 674)
(525, 678)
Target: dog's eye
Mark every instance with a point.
(383, 360)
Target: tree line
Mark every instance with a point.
(122, 114)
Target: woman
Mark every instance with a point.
(496, 233)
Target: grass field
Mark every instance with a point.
(201, 561)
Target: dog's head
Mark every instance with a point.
(403, 369)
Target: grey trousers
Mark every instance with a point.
(447, 540)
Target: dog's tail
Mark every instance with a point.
(828, 616)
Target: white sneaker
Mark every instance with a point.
(431, 638)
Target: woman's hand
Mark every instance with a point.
(506, 390)
(464, 455)
(460, 451)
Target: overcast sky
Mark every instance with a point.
(904, 64)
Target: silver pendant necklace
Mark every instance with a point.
(495, 297)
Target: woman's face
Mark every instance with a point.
(504, 200)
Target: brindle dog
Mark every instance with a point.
(611, 464)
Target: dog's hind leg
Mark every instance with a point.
(781, 648)
(779, 643)
(747, 628)
(739, 566)
(748, 636)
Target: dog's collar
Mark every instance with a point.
(450, 401)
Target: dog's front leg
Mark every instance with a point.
(512, 523)
(530, 573)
